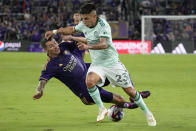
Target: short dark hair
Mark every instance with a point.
(44, 41)
(76, 11)
(87, 8)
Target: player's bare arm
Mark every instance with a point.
(78, 39)
(40, 89)
(103, 44)
(64, 31)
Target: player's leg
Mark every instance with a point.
(109, 97)
(139, 101)
(121, 102)
(119, 76)
(144, 94)
(93, 77)
(91, 80)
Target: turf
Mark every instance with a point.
(170, 78)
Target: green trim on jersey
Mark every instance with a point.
(105, 57)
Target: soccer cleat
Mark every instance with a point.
(102, 113)
(150, 119)
(144, 94)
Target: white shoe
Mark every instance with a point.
(150, 119)
(102, 113)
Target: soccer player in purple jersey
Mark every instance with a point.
(66, 64)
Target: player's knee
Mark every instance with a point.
(91, 79)
(90, 82)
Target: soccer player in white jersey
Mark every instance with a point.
(105, 61)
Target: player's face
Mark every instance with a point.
(52, 48)
(89, 19)
(76, 18)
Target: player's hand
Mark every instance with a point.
(38, 95)
(66, 37)
(82, 46)
(48, 34)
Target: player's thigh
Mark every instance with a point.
(119, 76)
(96, 74)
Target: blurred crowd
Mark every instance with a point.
(29, 19)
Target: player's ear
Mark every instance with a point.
(95, 16)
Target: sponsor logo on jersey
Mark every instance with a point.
(66, 52)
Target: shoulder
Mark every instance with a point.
(102, 22)
(103, 25)
(81, 24)
(46, 64)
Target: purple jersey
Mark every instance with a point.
(69, 68)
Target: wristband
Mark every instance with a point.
(54, 32)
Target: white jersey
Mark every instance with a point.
(104, 57)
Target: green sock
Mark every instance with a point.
(139, 101)
(94, 93)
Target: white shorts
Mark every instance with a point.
(117, 75)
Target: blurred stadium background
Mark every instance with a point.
(169, 77)
(23, 23)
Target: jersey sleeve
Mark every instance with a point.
(78, 27)
(46, 74)
(105, 32)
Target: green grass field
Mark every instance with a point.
(170, 78)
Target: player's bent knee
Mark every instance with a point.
(91, 79)
(90, 82)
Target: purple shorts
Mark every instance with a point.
(105, 96)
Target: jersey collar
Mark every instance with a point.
(96, 22)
